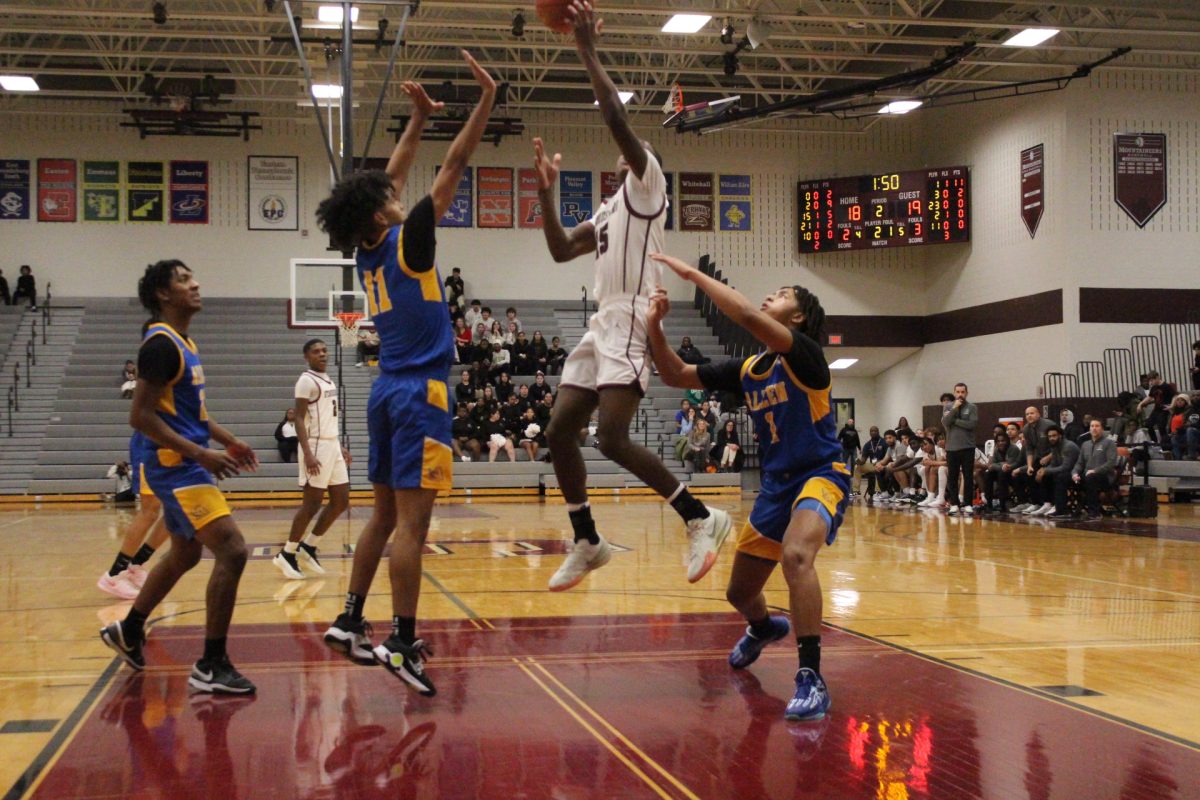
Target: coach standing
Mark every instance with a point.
(959, 422)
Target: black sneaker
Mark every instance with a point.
(130, 650)
(219, 677)
(351, 638)
(407, 662)
(307, 554)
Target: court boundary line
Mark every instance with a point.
(472, 617)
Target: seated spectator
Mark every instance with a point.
(523, 396)
(455, 287)
(456, 313)
(465, 391)
(539, 388)
(484, 353)
(706, 413)
(1087, 426)
(462, 342)
(885, 483)
(5, 295)
(544, 410)
(685, 406)
(1055, 476)
(699, 442)
(727, 452)
(510, 334)
(485, 316)
(556, 356)
(684, 428)
(484, 406)
(464, 435)
(501, 362)
(504, 387)
(1096, 468)
(541, 357)
(872, 451)
(1072, 430)
(286, 439)
(902, 427)
(473, 315)
(1158, 400)
(530, 435)
(690, 353)
(997, 478)
(478, 334)
(496, 436)
(522, 356)
(128, 380)
(368, 346)
(496, 336)
(511, 412)
(122, 476)
(1185, 426)
(26, 287)
(510, 318)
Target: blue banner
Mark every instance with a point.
(735, 215)
(574, 197)
(14, 189)
(461, 213)
(734, 186)
(189, 192)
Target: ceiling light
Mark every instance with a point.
(159, 13)
(333, 14)
(900, 106)
(326, 91)
(727, 32)
(686, 23)
(518, 26)
(18, 83)
(625, 98)
(757, 33)
(1031, 37)
(843, 363)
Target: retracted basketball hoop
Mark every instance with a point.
(348, 328)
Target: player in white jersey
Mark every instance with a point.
(323, 464)
(610, 367)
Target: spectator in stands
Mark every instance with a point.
(368, 346)
(541, 357)
(848, 436)
(1016, 493)
(1071, 429)
(485, 316)
(465, 391)
(128, 380)
(484, 352)
(1143, 387)
(872, 451)
(683, 428)
(690, 354)
(539, 388)
(885, 483)
(1087, 426)
(934, 473)
(5, 295)
(504, 387)
(997, 480)
(456, 313)
(685, 406)
(122, 476)
(1036, 449)
(706, 413)
(903, 459)
(727, 452)
(455, 287)
(484, 407)
(510, 315)
(557, 356)
(1157, 401)
(1196, 366)
(496, 436)
(699, 442)
(496, 336)
(464, 434)
(523, 396)
(522, 355)
(512, 412)
(479, 334)
(510, 333)
(531, 436)
(1096, 468)
(959, 423)
(473, 315)
(286, 440)
(902, 427)
(462, 342)
(26, 287)
(1185, 435)
(1128, 418)
(1057, 474)
(502, 362)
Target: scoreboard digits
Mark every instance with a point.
(894, 209)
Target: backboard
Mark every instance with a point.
(321, 288)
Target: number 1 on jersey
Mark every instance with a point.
(377, 294)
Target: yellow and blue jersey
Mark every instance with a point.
(182, 404)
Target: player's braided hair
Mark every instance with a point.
(157, 276)
(814, 316)
(347, 214)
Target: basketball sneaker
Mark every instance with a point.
(117, 585)
(351, 638)
(129, 649)
(136, 574)
(308, 555)
(407, 662)
(220, 677)
(811, 700)
(705, 537)
(749, 647)
(288, 565)
(582, 559)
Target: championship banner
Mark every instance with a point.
(1033, 187)
(56, 189)
(14, 188)
(735, 214)
(495, 200)
(529, 207)
(273, 193)
(574, 197)
(1140, 174)
(609, 185)
(695, 201)
(102, 191)
(145, 185)
(189, 192)
(460, 213)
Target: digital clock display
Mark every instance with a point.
(928, 206)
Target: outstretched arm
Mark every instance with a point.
(465, 142)
(402, 157)
(587, 29)
(671, 368)
(776, 336)
(563, 246)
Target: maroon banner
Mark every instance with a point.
(609, 185)
(495, 197)
(1033, 187)
(57, 187)
(529, 207)
(695, 201)
(1140, 174)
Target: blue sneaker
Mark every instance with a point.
(748, 648)
(811, 700)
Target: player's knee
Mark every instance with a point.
(184, 558)
(738, 596)
(797, 558)
(614, 443)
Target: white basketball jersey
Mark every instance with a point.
(629, 227)
(321, 422)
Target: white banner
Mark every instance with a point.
(273, 191)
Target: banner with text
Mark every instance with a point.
(14, 188)
(1140, 174)
(57, 188)
(529, 207)
(189, 192)
(1033, 187)
(102, 191)
(609, 185)
(145, 184)
(495, 208)
(695, 201)
(460, 214)
(735, 212)
(273, 193)
(574, 197)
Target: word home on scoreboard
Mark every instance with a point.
(893, 209)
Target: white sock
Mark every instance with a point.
(571, 507)
(291, 547)
(311, 540)
(675, 493)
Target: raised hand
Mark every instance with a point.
(547, 170)
(585, 24)
(660, 306)
(481, 75)
(679, 267)
(421, 102)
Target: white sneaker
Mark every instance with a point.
(136, 574)
(582, 559)
(705, 537)
(938, 504)
(953, 511)
(117, 586)
(968, 510)
(926, 503)
(1019, 509)
(1030, 509)
(288, 565)
(1046, 509)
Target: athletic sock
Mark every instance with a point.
(810, 652)
(404, 629)
(120, 564)
(687, 506)
(214, 649)
(142, 555)
(585, 527)
(761, 628)
(291, 547)
(134, 624)
(354, 605)
(311, 540)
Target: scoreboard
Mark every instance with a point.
(929, 206)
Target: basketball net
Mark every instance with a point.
(674, 102)
(348, 329)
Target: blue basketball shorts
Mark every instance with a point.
(408, 421)
(824, 489)
(188, 492)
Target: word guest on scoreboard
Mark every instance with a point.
(929, 206)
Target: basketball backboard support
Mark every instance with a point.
(320, 289)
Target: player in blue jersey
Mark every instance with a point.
(172, 444)
(804, 483)
(408, 414)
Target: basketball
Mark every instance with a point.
(553, 14)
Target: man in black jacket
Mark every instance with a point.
(1056, 476)
(1096, 468)
(848, 436)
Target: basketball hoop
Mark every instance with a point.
(674, 102)
(348, 327)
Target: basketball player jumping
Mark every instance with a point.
(804, 484)
(323, 464)
(408, 414)
(610, 367)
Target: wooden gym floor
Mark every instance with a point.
(966, 658)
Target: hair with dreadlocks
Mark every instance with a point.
(348, 214)
(809, 304)
(158, 276)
